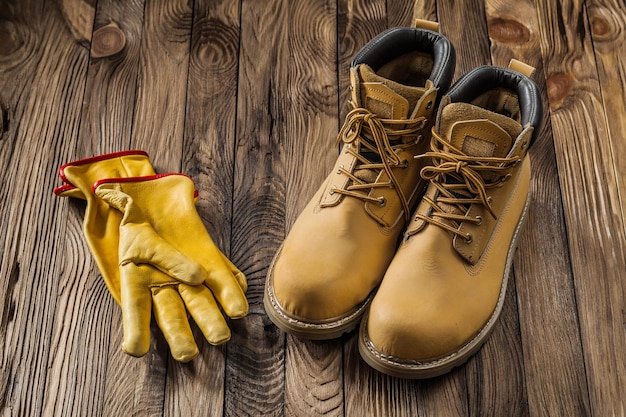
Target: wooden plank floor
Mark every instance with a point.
(246, 96)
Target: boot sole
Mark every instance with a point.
(428, 369)
(315, 330)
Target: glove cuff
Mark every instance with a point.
(98, 158)
(140, 179)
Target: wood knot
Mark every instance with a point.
(507, 30)
(558, 86)
(599, 27)
(9, 41)
(107, 41)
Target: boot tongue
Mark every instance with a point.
(477, 131)
(383, 97)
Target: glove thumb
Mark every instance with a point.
(141, 244)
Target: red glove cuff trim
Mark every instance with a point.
(98, 158)
(63, 188)
(137, 179)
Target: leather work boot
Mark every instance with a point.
(327, 269)
(445, 286)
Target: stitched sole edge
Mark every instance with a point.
(322, 330)
(421, 370)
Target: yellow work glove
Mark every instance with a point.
(101, 229)
(159, 223)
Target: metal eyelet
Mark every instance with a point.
(429, 105)
(479, 220)
(382, 201)
(468, 238)
(332, 190)
(339, 169)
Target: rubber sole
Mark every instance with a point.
(403, 368)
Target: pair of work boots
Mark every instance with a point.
(413, 232)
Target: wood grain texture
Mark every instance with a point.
(109, 105)
(40, 48)
(255, 370)
(158, 121)
(467, 30)
(547, 308)
(593, 216)
(607, 20)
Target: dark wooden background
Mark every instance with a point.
(247, 96)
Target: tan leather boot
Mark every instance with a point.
(336, 253)
(443, 290)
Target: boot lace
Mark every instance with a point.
(461, 181)
(377, 152)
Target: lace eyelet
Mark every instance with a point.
(468, 238)
(332, 190)
(479, 220)
(382, 201)
(339, 169)
(429, 105)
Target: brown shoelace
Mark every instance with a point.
(360, 122)
(460, 179)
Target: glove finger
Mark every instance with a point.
(171, 317)
(226, 290)
(239, 276)
(136, 302)
(205, 312)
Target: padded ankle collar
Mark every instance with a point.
(484, 78)
(398, 41)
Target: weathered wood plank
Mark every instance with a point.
(547, 308)
(208, 156)
(595, 227)
(607, 19)
(42, 77)
(108, 108)
(466, 27)
(400, 12)
(158, 121)
(255, 367)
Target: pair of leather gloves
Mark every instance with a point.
(153, 251)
